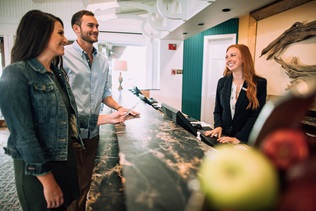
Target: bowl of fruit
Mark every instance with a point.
(275, 171)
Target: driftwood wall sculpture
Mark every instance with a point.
(297, 32)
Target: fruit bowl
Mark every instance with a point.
(278, 133)
(278, 136)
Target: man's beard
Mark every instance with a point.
(87, 39)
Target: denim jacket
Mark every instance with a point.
(36, 115)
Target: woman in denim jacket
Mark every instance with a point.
(40, 111)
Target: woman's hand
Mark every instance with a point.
(227, 139)
(217, 132)
(52, 192)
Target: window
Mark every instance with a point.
(135, 56)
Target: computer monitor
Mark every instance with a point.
(178, 117)
(136, 91)
(185, 123)
(169, 112)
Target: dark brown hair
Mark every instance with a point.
(33, 35)
(76, 18)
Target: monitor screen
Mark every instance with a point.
(169, 112)
(178, 117)
(185, 123)
(137, 91)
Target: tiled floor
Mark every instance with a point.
(8, 197)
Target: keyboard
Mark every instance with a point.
(149, 101)
(211, 141)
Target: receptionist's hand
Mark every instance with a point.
(227, 139)
(217, 132)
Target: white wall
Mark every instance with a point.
(271, 28)
(11, 12)
(170, 85)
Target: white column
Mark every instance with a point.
(8, 41)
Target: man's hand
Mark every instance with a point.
(113, 118)
(133, 113)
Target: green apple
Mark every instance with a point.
(238, 178)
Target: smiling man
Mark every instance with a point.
(90, 82)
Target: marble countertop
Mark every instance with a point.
(144, 163)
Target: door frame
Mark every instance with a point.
(206, 92)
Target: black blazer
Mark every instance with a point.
(244, 119)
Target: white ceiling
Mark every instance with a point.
(167, 19)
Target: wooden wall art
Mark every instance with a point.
(297, 32)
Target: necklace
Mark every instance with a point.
(238, 88)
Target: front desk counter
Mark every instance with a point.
(145, 163)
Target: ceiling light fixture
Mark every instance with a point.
(200, 24)
(226, 10)
(210, 1)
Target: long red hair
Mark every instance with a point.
(249, 74)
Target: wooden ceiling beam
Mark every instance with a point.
(275, 8)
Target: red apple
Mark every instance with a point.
(285, 147)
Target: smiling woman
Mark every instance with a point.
(36, 84)
(240, 96)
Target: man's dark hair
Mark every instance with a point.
(76, 18)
